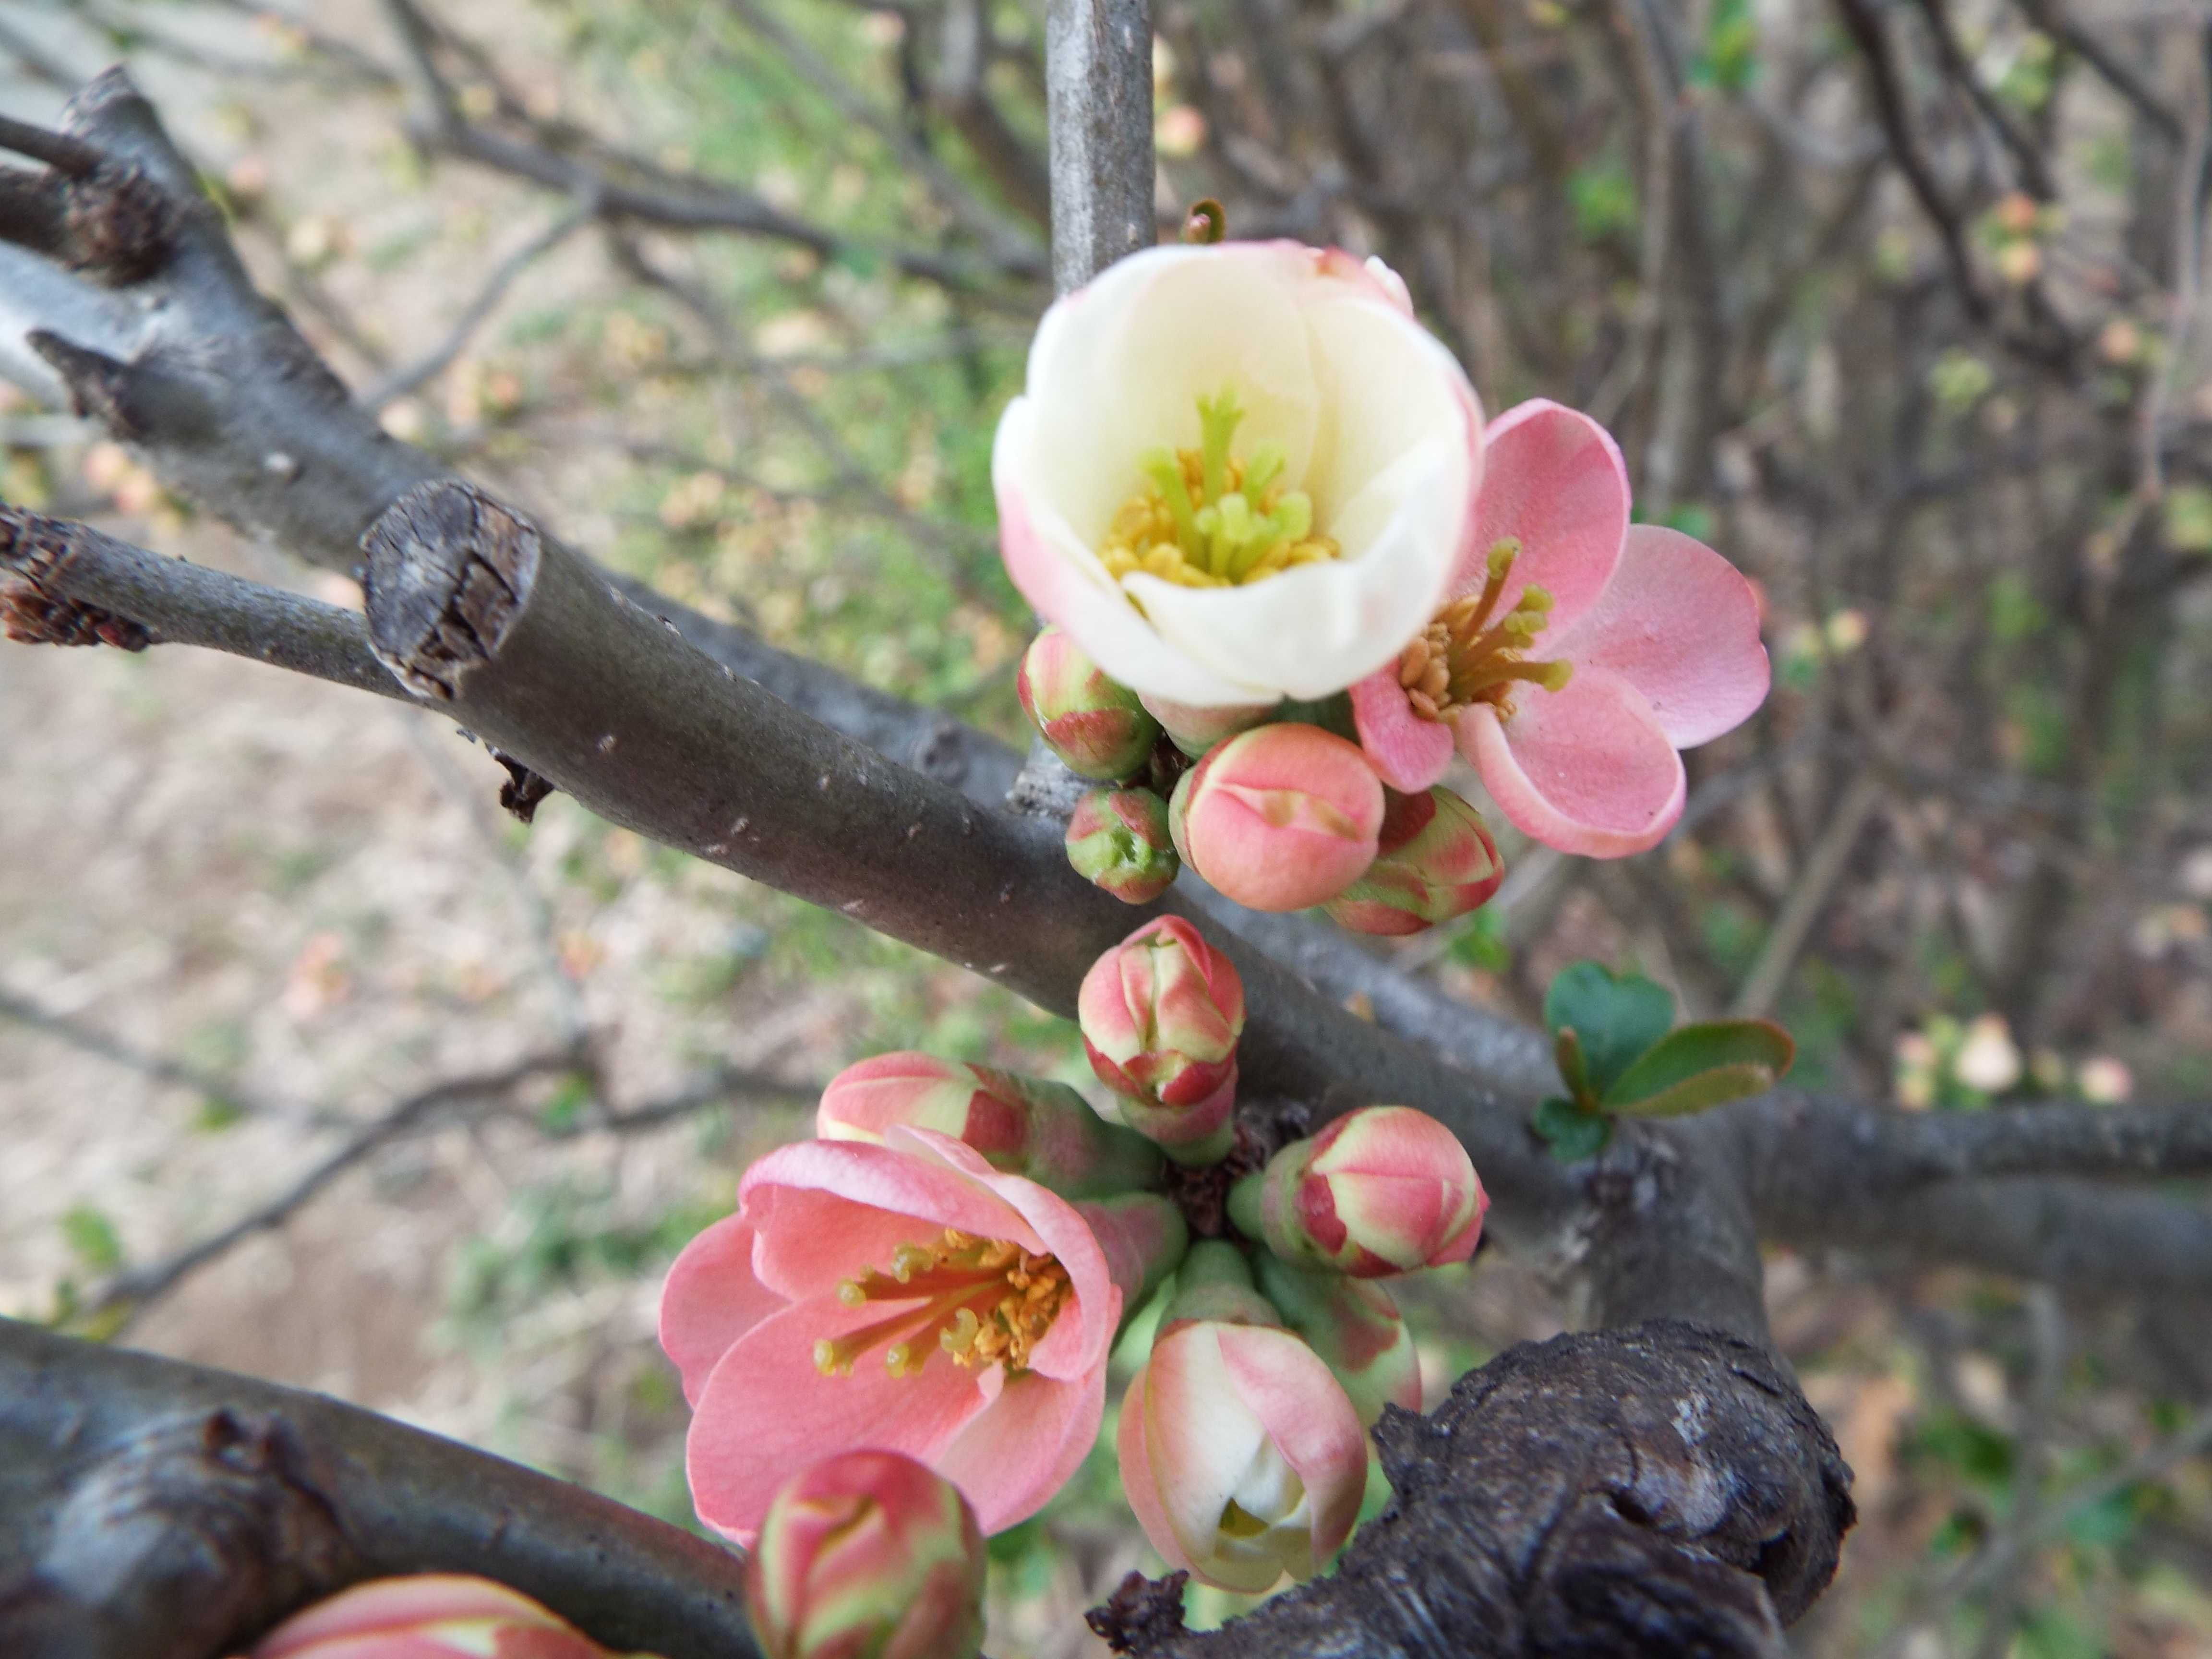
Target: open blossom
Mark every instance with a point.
(1241, 1455)
(432, 1615)
(905, 1296)
(1576, 652)
(1238, 473)
(868, 1555)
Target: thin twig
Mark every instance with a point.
(1815, 885)
(400, 382)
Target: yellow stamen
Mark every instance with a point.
(1204, 519)
(984, 1301)
(1463, 657)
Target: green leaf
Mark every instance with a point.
(1617, 1017)
(93, 1237)
(1703, 1066)
(1574, 1070)
(1571, 1132)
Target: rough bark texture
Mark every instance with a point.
(1662, 1489)
(151, 1509)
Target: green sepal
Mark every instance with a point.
(1571, 1132)
(1615, 1017)
(1703, 1066)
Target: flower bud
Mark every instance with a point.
(1118, 839)
(1355, 1327)
(1096, 727)
(1160, 1013)
(1434, 860)
(1240, 1455)
(1280, 817)
(1023, 1125)
(868, 1555)
(1195, 730)
(1383, 1190)
(427, 1616)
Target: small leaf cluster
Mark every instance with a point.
(1618, 1050)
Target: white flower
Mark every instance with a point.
(1239, 472)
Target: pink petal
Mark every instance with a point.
(831, 1198)
(767, 1413)
(1083, 1331)
(391, 1604)
(1586, 769)
(1552, 478)
(1306, 1412)
(1201, 1432)
(1139, 1483)
(1681, 624)
(1408, 753)
(711, 1298)
(1024, 1446)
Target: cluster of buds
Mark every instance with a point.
(1276, 814)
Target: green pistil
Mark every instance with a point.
(1219, 418)
(1161, 466)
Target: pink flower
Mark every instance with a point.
(904, 1296)
(1383, 1190)
(428, 1616)
(1279, 817)
(1578, 653)
(1240, 1454)
(868, 1555)
(1238, 472)
(1161, 1014)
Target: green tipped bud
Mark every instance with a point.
(1118, 839)
(1098, 727)
(868, 1553)
(1434, 860)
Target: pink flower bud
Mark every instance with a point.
(868, 1553)
(1195, 730)
(1434, 860)
(1099, 728)
(1118, 839)
(1240, 1454)
(427, 1616)
(1355, 1327)
(1280, 818)
(1160, 1013)
(1023, 1125)
(1383, 1190)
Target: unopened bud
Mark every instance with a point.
(1280, 817)
(1118, 839)
(1161, 1014)
(1383, 1190)
(432, 1615)
(1355, 1329)
(1094, 724)
(1024, 1126)
(868, 1555)
(1194, 730)
(1434, 859)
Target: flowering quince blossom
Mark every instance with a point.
(1240, 1452)
(1576, 654)
(1238, 473)
(428, 1616)
(904, 1296)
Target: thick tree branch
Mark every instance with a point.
(151, 1509)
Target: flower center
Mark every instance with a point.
(984, 1301)
(1204, 518)
(1463, 658)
